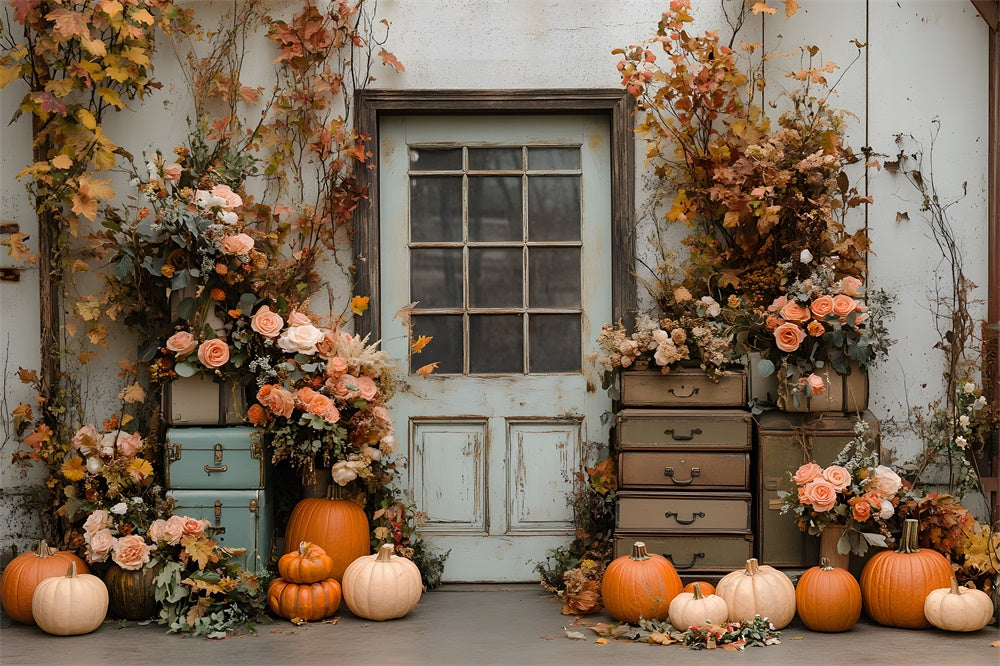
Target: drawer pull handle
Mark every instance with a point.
(694, 558)
(669, 471)
(682, 438)
(681, 521)
(694, 391)
(211, 468)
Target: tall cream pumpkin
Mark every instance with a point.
(758, 590)
(382, 586)
(70, 605)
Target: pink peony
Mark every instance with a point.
(128, 444)
(130, 552)
(181, 343)
(86, 439)
(367, 389)
(229, 198)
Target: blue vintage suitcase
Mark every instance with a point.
(239, 519)
(218, 458)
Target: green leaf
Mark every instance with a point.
(186, 369)
(765, 367)
(185, 309)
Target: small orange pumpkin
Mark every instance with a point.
(26, 571)
(706, 587)
(338, 526)
(313, 601)
(895, 584)
(308, 564)
(828, 598)
(640, 585)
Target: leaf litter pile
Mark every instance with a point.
(730, 635)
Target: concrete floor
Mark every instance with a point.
(512, 625)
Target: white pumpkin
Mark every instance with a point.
(693, 609)
(382, 586)
(70, 605)
(758, 590)
(958, 608)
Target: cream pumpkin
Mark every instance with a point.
(758, 590)
(958, 608)
(70, 605)
(693, 609)
(382, 586)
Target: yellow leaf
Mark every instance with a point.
(87, 119)
(68, 24)
(110, 7)
(601, 641)
(61, 87)
(88, 309)
(139, 469)
(417, 346)
(8, 74)
(95, 47)
(61, 162)
(128, 418)
(133, 393)
(759, 7)
(71, 329)
(731, 219)
(73, 469)
(425, 370)
(97, 335)
(34, 169)
(142, 16)
(116, 73)
(111, 97)
(198, 549)
(136, 55)
(791, 6)
(18, 250)
(359, 304)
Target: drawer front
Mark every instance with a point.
(682, 388)
(238, 518)
(709, 552)
(677, 470)
(218, 458)
(683, 429)
(683, 512)
(200, 401)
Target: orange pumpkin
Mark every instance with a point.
(706, 587)
(26, 571)
(640, 585)
(894, 584)
(828, 598)
(338, 526)
(313, 601)
(308, 564)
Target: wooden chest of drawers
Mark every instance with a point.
(684, 387)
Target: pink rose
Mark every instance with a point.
(822, 306)
(172, 171)
(838, 477)
(383, 416)
(850, 286)
(843, 305)
(319, 405)
(181, 343)
(887, 481)
(346, 387)
(336, 367)
(815, 384)
(303, 396)
(99, 545)
(129, 444)
(175, 528)
(193, 526)
(213, 353)
(789, 336)
(332, 415)
(821, 494)
(277, 399)
(367, 390)
(266, 322)
(327, 347)
(237, 244)
(86, 439)
(158, 531)
(296, 318)
(98, 520)
(807, 473)
(792, 311)
(343, 473)
(777, 304)
(230, 199)
(130, 552)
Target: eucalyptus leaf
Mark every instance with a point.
(186, 369)
(185, 309)
(765, 367)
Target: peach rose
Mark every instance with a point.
(343, 473)
(98, 520)
(320, 405)
(792, 311)
(777, 304)
(838, 477)
(99, 545)
(213, 353)
(229, 198)
(382, 415)
(296, 318)
(336, 367)
(86, 439)
(267, 322)
(331, 415)
(128, 444)
(172, 171)
(851, 286)
(175, 527)
(300, 339)
(130, 552)
(887, 481)
(304, 395)
(367, 390)
(256, 414)
(873, 498)
(860, 509)
(821, 494)
(277, 399)
(237, 244)
(193, 526)
(789, 336)
(822, 306)
(346, 387)
(843, 305)
(158, 531)
(815, 384)
(807, 473)
(327, 347)
(181, 343)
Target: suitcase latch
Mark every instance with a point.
(173, 452)
(217, 460)
(253, 506)
(218, 528)
(669, 472)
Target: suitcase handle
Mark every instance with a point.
(682, 438)
(694, 391)
(694, 558)
(669, 471)
(221, 468)
(681, 521)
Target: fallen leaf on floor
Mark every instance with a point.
(601, 641)
(548, 638)
(662, 639)
(600, 629)
(796, 638)
(579, 622)
(995, 644)
(332, 620)
(575, 635)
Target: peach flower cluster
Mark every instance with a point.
(792, 322)
(132, 551)
(821, 489)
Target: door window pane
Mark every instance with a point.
(496, 344)
(553, 208)
(495, 277)
(547, 157)
(436, 208)
(436, 159)
(554, 277)
(555, 343)
(495, 159)
(446, 346)
(495, 208)
(436, 277)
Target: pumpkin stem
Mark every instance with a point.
(639, 553)
(954, 587)
(697, 591)
(304, 548)
(824, 564)
(752, 568)
(908, 541)
(385, 552)
(44, 549)
(71, 571)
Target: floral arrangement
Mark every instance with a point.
(856, 491)
(821, 322)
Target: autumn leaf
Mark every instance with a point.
(133, 393)
(97, 335)
(198, 549)
(791, 6)
(61, 161)
(18, 250)
(198, 610)
(110, 7)
(73, 469)
(207, 586)
(85, 357)
(87, 119)
(389, 60)
(601, 641)
(88, 309)
(425, 370)
(417, 346)
(79, 266)
(359, 304)
(139, 469)
(759, 7)
(111, 97)
(142, 16)
(88, 192)
(27, 376)
(68, 24)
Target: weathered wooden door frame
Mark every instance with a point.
(617, 105)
